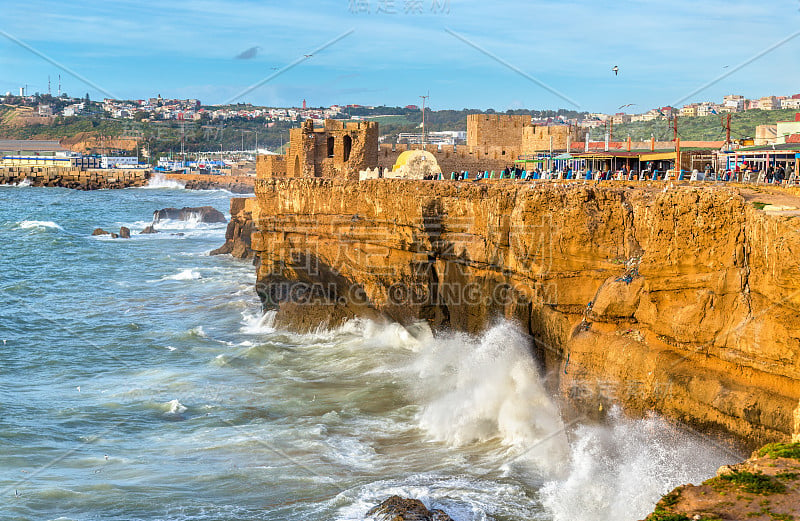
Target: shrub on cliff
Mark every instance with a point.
(781, 450)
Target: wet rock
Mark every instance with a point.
(241, 227)
(400, 509)
(115, 236)
(124, 232)
(148, 229)
(100, 231)
(204, 214)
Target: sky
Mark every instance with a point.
(540, 54)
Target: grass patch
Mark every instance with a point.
(758, 205)
(787, 475)
(780, 450)
(755, 483)
(662, 515)
(671, 499)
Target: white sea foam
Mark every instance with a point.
(27, 225)
(477, 390)
(619, 470)
(258, 324)
(174, 407)
(473, 393)
(161, 181)
(463, 498)
(198, 332)
(187, 274)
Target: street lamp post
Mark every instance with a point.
(423, 119)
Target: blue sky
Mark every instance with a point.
(665, 50)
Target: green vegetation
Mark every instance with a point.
(702, 128)
(773, 515)
(789, 476)
(758, 205)
(671, 499)
(780, 450)
(754, 483)
(663, 515)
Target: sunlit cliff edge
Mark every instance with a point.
(682, 300)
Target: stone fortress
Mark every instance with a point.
(340, 150)
(337, 150)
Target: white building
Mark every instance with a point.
(791, 103)
(119, 162)
(734, 103)
(74, 109)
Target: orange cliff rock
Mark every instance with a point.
(682, 301)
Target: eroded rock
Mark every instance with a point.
(204, 214)
(401, 509)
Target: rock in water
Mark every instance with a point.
(148, 229)
(114, 236)
(399, 509)
(205, 214)
(124, 232)
(100, 231)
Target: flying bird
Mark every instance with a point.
(308, 55)
(726, 66)
(249, 54)
(628, 105)
(615, 68)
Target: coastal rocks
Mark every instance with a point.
(764, 488)
(681, 302)
(148, 229)
(203, 214)
(238, 236)
(124, 233)
(399, 509)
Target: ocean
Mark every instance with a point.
(139, 380)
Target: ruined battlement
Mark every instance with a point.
(338, 150)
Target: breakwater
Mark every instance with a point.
(74, 177)
(235, 184)
(680, 300)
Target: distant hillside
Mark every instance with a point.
(705, 128)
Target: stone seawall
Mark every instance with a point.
(74, 177)
(682, 301)
(235, 184)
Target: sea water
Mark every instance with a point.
(139, 380)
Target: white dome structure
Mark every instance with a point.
(414, 164)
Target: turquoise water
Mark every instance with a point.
(138, 380)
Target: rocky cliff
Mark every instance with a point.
(682, 300)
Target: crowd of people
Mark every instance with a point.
(776, 174)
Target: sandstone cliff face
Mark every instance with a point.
(681, 301)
